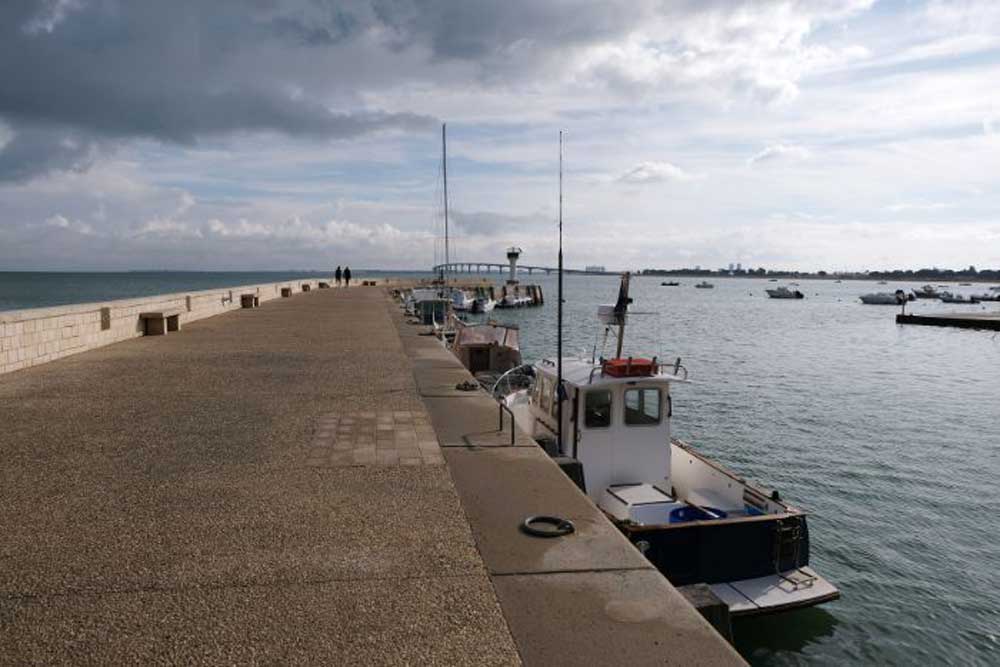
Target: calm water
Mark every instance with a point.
(887, 435)
(42, 289)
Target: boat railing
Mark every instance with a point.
(505, 379)
(513, 426)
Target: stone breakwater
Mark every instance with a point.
(38, 335)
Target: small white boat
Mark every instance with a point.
(704, 284)
(948, 297)
(483, 301)
(926, 292)
(886, 298)
(784, 293)
(461, 301)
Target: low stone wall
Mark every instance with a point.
(35, 336)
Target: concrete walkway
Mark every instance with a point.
(178, 499)
(302, 483)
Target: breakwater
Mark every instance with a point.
(38, 335)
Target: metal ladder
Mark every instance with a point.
(788, 541)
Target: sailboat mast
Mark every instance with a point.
(444, 169)
(559, 311)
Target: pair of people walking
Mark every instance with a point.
(345, 274)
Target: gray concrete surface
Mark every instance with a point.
(162, 502)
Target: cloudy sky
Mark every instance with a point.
(271, 134)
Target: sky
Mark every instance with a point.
(285, 134)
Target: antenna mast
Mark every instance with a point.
(559, 316)
(444, 168)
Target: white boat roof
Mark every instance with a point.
(582, 372)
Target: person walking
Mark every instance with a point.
(347, 276)
(336, 276)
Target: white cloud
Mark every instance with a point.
(780, 152)
(655, 172)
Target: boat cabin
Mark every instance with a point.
(615, 422)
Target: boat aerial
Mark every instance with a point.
(886, 298)
(704, 284)
(697, 522)
(784, 293)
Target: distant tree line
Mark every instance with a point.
(970, 273)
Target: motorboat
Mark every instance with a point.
(784, 293)
(704, 284)
(670, 284)
(518, 296)
(483, 301)
(694, 520)
(948, 297)
(430, 305)
(461, 300)
(882, 282)
(926, 292)
(886, 298)
(487, 350)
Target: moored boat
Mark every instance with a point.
(886, 298)
(784, 293)
(697, 522)
(926, 292)
(948, 297)
(704, 284)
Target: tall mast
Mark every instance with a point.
(444, 167)
(559, 311)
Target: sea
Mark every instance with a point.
(888, 435)
(37, 289)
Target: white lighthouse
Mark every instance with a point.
(512, 254)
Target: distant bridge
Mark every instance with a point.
(488, 267)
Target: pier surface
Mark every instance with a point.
(302, 483)
(983, 320)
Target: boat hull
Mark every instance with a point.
(756, 565)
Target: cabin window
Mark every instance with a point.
(642, 407)
(597, 409)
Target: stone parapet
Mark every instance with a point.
(37, 335)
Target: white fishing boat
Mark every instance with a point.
(886, 298)
(784, 293)
(704, 284)
(697, 522)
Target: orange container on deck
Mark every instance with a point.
(631, 367)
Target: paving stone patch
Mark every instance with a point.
(390, 437)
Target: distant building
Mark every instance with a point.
(739, 266)
(596, 268)
(731, 267)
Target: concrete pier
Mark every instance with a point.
(986, 320)
(301, 482)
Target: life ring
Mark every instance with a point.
(558, 526)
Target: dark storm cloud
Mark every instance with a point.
(103, 70)
(475, 30)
